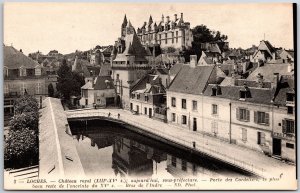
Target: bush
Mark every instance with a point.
(26, 103)
(25, 120)
(21, 149)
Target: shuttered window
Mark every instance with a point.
(288, 126)
(244, 134)
(261, 138)
(261, 117)
(242, 114)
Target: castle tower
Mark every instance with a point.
(123, 27)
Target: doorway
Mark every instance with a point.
(195, 124)
(150, 112)
(277, 146)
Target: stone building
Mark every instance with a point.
(167, 32)
(22, 74)
(128, 62)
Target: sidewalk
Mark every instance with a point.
(244, 158)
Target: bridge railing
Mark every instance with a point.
(202, 146)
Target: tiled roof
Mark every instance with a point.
(140, 86)
(104, 82)
(105, 70)
(14, 59)
(191, 80)
(258, 95)
(268, 71)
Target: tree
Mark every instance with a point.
(28, 120)
(78, 82)
(202, 34)
(65, 80)
(26, 103)
(50, 90)
(21, 149)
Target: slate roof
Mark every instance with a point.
(80, 66)
(156, 85)
(14, 59)
(191, 80)
(133, 47)
(268, 71)
(258, 95)
(175, 68)
(286, 85)
(103, 82)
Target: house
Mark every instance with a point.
(286, 55)
(21, 75)
(100, 92)
(128, 63)
(265, 52)
(80, 66)
(148, 97)
(210, 58)
(284, 127)
(184, 101)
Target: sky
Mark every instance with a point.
(67, 27)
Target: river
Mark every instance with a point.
(109, 150)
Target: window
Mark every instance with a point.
(23, 88)
(38, 71)
(290, 97)
(290, 145)
(242, 114)
(183, 165)
(214, 92)
(173, 117)
(146, 98)
(183, 119)
(138, 96)
(195, 106)
(118, 76)
(6, 89)
(38, 88)
(132, 95)
(145, 110)
(172, 37)
(183, 103)
(261, 117)
(260, 138)
(173, 100)
(288, 126)
(174, 161)
(290, 110)
(244, 134)
(214, 109)
(166, 40)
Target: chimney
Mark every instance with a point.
(193, 61)
(260, 80)
(168, 19)
(233, 78)
(21, 50)
(275, 81)
(273, 56)
(244, 64)
(181, 17)
(162, 18)
(175, 17)
(148, 86)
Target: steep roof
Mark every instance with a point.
(103, 82)
(88, 85)
(14, 59)
(191, 80)
(286, 85)
(153, 80)
(80, 66)
(268, 71)
(258, 95)
(175, 68)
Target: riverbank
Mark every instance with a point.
(249, 160)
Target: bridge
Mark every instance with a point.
(248, 160)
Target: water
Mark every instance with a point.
(109, 150)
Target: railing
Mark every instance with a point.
(195, 145)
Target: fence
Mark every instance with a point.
(194, 144)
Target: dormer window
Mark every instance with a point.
(215, 90)
(22, 71)
(146, 98)
(38, 71)
(132, 95)
(138, 96)
(245, 93)
(290, 97)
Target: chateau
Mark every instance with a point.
(166, 33)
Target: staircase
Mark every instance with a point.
(24, 173)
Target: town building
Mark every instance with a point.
(148, 97)
(265, 52)
(128, 63)
(21, 75)
(99, 92)
(166, 33)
